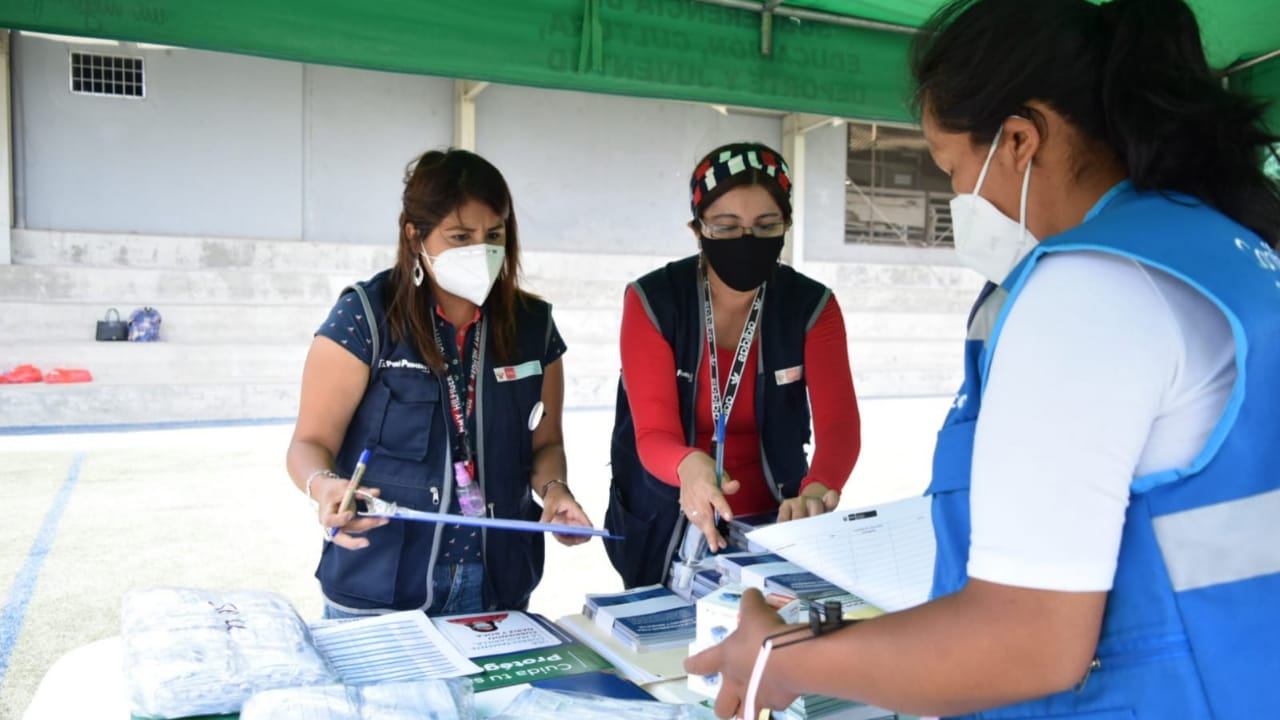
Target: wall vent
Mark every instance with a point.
(108, 75)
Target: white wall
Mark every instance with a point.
(236, 146)
(214, 148)
(361, 131)
(598, 173)
(825, 157)
(222, 145)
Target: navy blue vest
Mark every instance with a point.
(1191, 628)
(403, 417)
(642, 508)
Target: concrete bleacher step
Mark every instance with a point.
(239, 315)
(289, 323)
(842, 276)
(889, 300)
(176, 252)
(863, 355)
(115, 286)
(105, 403)
(905, 354)
(864, 325)
(181, 322)
(603, 325)
(164, 361)
(607, 294)
(919, 382)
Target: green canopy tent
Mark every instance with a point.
(844, 58)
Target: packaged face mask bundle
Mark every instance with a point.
(198, 652)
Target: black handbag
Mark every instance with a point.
(112, 327)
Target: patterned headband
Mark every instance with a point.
(717, 169)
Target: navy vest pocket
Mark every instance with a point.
(411, 402)
(513, 561)
(363, 578)
(646, 521)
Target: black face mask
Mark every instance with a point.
(743, 263)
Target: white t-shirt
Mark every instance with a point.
(1106, 370)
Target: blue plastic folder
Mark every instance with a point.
(399, 513)
(600, 683)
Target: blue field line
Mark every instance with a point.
(24, 583)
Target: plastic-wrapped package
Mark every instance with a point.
(415, 700)
(537, 703)
(201, 652)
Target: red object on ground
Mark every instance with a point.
(67, 375)
(22, 374)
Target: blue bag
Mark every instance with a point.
(144, 325)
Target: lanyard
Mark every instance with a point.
(453, 379)
(721, 407)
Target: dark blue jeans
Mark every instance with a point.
(458, 589)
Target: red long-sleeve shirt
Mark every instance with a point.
(649, 371)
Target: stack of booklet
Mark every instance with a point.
(818, 707)
(705, 582)
(741, 567)
(693, 581)
(645, 618)
(741, 525)
(801, 584)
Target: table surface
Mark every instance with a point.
(88, 682)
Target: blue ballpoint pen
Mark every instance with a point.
(350, 495)
(720, 422)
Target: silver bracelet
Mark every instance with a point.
(323, 472)
(543, 493)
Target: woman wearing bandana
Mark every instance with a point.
(726, 355)
(450, 376)
(1105, 486)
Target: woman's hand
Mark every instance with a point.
(559, 506)
(700, 499)
(329, 493)
(815, 499)
(736, 656)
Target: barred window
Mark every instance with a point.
(110, 75)
(895, 195)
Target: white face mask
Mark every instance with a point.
(986, 239)
(468, 272)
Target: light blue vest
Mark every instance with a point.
(1192, 623)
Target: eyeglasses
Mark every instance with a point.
(731, 232)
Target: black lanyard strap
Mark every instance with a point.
(453, 379)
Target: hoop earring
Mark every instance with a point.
(418, 273)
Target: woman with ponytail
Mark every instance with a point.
(1105, 485)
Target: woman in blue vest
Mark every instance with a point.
(450, 376)
(1106, 486)
(723, 355)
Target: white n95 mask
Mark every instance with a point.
(468, 272)
(986, 239)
